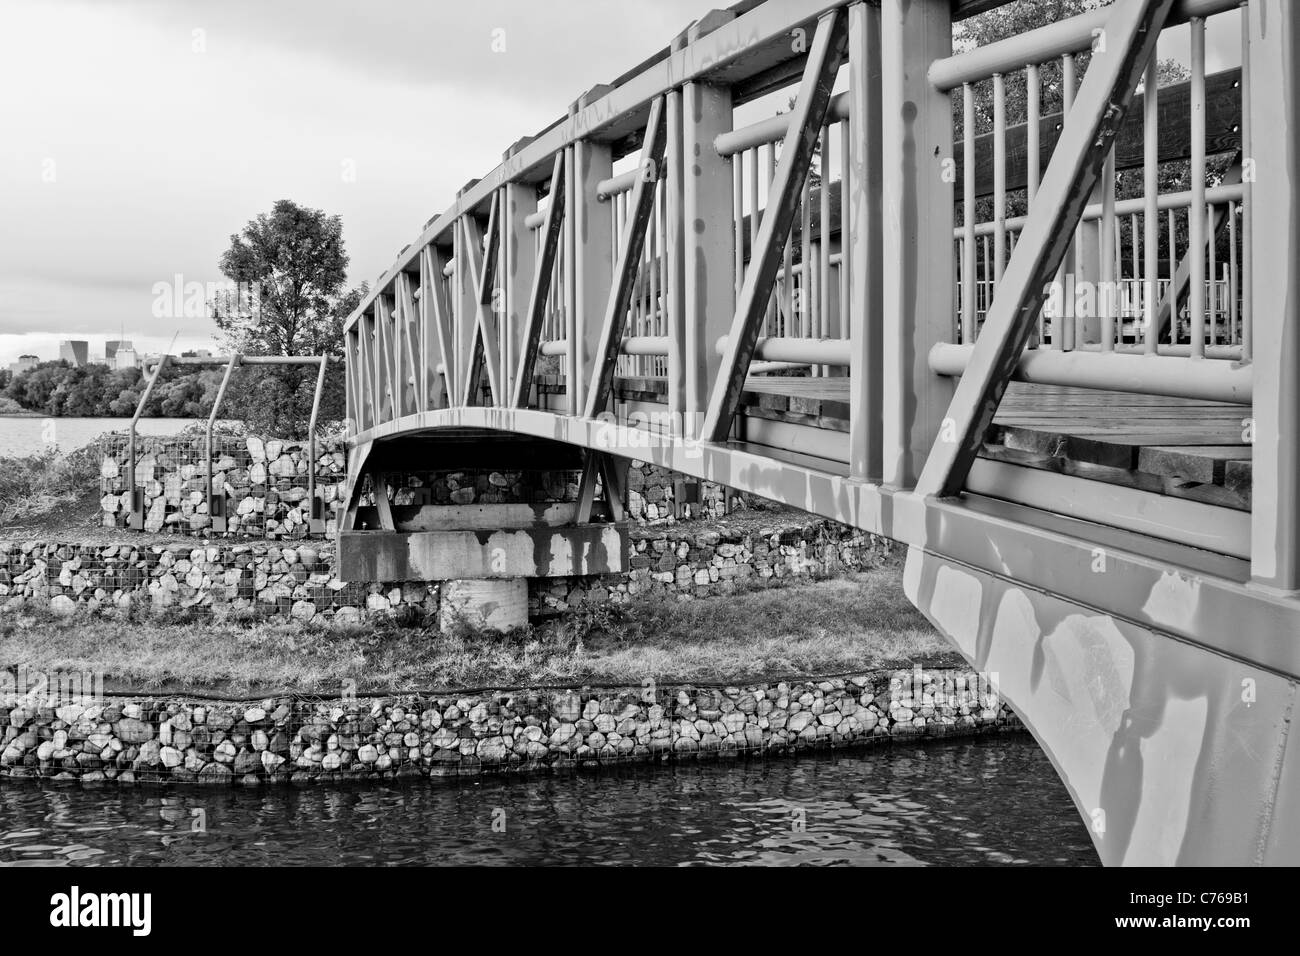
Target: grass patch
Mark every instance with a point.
(857, 622)
(38, 484)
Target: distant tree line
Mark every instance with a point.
(269, 403)
(59, 389)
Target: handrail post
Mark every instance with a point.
(136, 520)
(710, 252)
(917, 269)
(1274, 27)
(674, 225)
(593, 256)
(311, 450)
(710, 239)
(218, 521)
(861, 240)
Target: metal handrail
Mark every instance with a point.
(231, 362)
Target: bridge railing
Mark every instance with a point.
(1144, 274)
(664, 230)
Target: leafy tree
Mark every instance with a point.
(1024, 15)
(294, 262)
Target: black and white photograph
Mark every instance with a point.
(641, 434)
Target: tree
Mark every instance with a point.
(1024, 15)
(290, 266)
(293, 262)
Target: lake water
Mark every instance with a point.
(991, 800)
(22, 436)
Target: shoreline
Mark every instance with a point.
(302, 741)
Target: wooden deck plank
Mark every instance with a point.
(1204, 463)
(1185, 447)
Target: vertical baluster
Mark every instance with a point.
(506, 314)
(1234, 327)
(987, 283)
(791, 327)
(652, 270)
(969, 288)
(663, 265)
(752, 165)
(1033, 146)
(738, 204)
(1151, 209)
(805, 253)
(1196, 214)
(824, 245)
(557, 295)
(1172, 287)
(1067, 318)
(999, 177)
(769, 165)
(754, 218)
(1133, 312)
(1106, 294)
(1212, 235)
(842, 319)
(631, 321)
(616, 232)
(1247, 188)
(570, 361)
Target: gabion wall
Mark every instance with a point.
(265, 483)
(292, 740)
(296, 581)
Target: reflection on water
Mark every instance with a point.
(985, 801)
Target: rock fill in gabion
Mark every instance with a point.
(290, 740)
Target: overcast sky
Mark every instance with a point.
(137, 135)
(133, 146)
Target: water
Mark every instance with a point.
(992, 800)
(22, 436)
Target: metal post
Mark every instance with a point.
(917, 267)
(674, 264)
(218, 520)
(136, 521)
(861, 240)
(311, 452)
(712, 245)
(1275, 289)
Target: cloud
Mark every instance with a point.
(134, 146)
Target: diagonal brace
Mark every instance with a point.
(629, 259)
(543, 273)
(1130, 37)
(827, 51)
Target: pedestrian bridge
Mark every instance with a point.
(1027, 308)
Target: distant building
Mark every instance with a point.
(74, 351)
(25, 363)
(111, 348)
(125, 357)
(197, 353)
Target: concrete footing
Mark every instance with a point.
(498, 604)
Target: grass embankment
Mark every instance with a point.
(858, 622)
